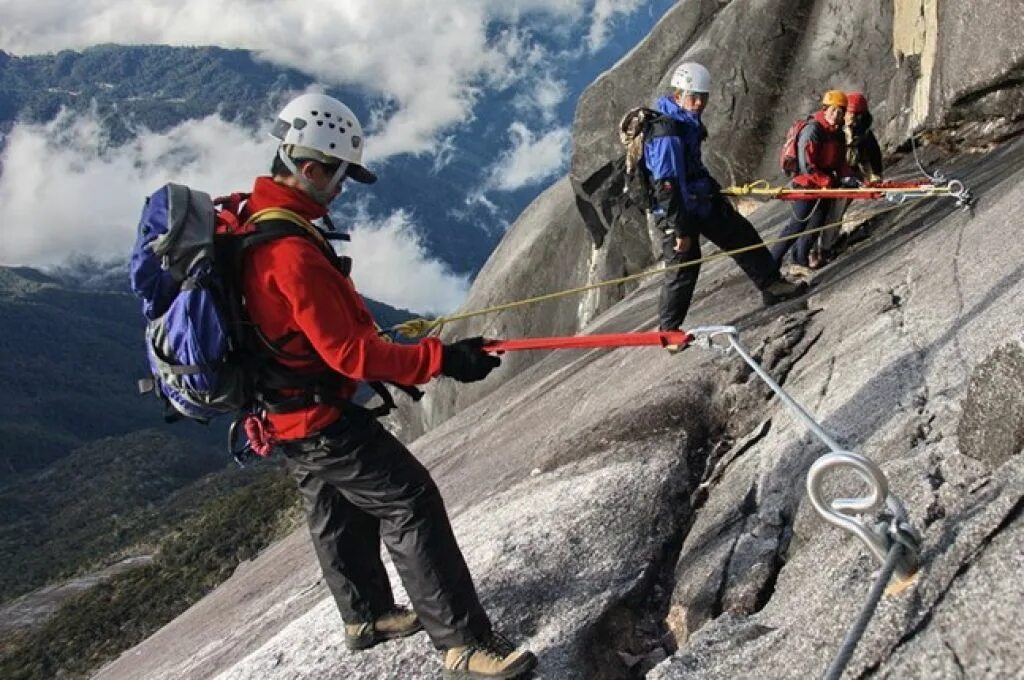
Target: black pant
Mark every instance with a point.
(728, 230)
(807, 215)
(360, 485)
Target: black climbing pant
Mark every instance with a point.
(360, 485)
(728, 230)
(807, 215)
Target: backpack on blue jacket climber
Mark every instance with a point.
(621, 191)
(206, 358)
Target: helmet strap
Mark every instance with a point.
(323, 197)
(339, 175)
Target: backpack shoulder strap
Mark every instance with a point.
(661, 125)
(275, 223)
(811, 126)
(285, 215)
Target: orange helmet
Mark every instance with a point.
(856, 102)
(834, 98)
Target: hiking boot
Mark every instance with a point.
(493, 658)
(780, 290)
(397, 623)
(799, 271)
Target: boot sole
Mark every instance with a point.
(359, 644)
(526, 664)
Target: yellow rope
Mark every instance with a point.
(762, 187)
(415, 328)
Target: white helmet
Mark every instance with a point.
(691, 77)
(318, 127)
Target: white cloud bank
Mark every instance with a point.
(391, 263)
(604, 14)
(430, 58)
(533, 157)
(62, 191)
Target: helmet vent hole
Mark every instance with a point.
(315, 113)
(320, 123)
(332, 145)
(327, 114)
(330, 125)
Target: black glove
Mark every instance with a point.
(850, 183)
(466, 360)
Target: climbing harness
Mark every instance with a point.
(892, 540)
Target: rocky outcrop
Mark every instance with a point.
(991, 427)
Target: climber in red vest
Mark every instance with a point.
(821, 164)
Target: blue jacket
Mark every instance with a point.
(677, 157)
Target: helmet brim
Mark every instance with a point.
(360, 174)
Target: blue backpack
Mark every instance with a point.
(206, 358)
(191, 307)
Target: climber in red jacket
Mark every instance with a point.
(359, 483)
(821, 158)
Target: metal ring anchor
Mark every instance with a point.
(705, 336)
(959, 191)
(842, 512)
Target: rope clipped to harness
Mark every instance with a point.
(259, 436)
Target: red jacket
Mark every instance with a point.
(821, 153)
(291, 286)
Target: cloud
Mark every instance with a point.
(532, 159)
(391, 263)
(430, 59)
(604, 13)
(64, 192)
(546, 94)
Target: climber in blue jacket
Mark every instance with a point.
(688, 203)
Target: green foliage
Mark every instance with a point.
(153, 86)
(71, 359)
(193, 558)
(103, 497)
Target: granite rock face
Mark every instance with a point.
(636, 514)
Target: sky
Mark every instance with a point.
(433, 62)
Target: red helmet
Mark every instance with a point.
(856, 102)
